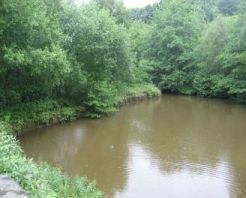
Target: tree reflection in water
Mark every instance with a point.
(170, 147)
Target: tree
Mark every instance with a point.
(143, 14)
(138, 33)
(32, 61)
(99, 50)
(228, 7)
(221, 59)
(208, 9)
(176, 29)
(116, 8)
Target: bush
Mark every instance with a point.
(101, 99)
(138, 92)
(39, 113)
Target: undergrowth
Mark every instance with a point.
(39, 113)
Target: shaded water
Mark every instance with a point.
(174, 146)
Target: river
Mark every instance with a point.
(174, 146)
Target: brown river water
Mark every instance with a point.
(170, 147)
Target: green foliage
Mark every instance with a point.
(101, 99)
(138, 33)
(142, 90)
(55, 49)
(221, 59)
(116, 8)
(100, 53)
(174, 34)
(40, 113)
(32, 60)
(143, 14)
(59, 60)
(193, 50)
(39, 180)
(211, 85)
(213, 42)
(208, 9)
(228, 7)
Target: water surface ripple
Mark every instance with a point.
(171, 147)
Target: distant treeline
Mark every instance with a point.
(195, 47)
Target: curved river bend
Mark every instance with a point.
(174, 146)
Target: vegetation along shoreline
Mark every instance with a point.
(60, 61)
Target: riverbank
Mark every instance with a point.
(44, 113)
(141, 136)
(39, 179)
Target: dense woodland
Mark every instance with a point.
(89, 55)
(196, 47)
(59, 58)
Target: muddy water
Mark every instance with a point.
(174, 146)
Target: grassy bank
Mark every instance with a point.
(41, 113)
(139, 92)
(26, 117)
(39, 179)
